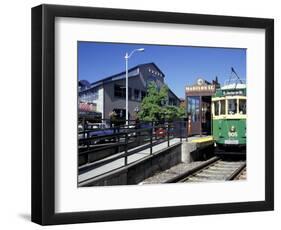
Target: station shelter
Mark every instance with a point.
(198, 106)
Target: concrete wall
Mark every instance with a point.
(95, 154)
(144, 168)
(196, 151)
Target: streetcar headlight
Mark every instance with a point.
(232, 129)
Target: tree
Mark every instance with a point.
(154, 106)
(182, 110)
(151, 104)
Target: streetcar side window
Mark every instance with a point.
(242, 106)
(232, 106)
(222, 107)
(216, 108)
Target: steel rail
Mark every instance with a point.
(223, 170)
(193, 170)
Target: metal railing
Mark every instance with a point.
(110, 144)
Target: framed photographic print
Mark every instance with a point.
(143, 114)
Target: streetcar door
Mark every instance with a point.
(206, 117)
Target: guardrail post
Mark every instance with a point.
(87, 158)
(168, 134)
(151, 138)
(186, 128)
(88, 144)
(126, 149)
(180, 131)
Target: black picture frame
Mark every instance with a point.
(43, 114)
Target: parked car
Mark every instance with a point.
(80, 130)
(93, 130)
(160, 132)
(100, 130)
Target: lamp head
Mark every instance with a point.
(140, 50)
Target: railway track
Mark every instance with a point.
(216, 169)
(242, 175)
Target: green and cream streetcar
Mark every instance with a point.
(229, 116)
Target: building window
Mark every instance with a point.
(136, 94)
(90, 96)
(143, 94)
(94, 95)
(119, 91)
(172, 101)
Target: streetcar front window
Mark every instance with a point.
(216, 109)
(222, 107)
(232, 106)
(242, 106)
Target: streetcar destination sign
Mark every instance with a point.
(238, 92)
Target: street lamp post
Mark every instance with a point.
(127, 56)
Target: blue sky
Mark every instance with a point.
(182, 65)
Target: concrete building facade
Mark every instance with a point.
(109, 94)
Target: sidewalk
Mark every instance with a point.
(121, 161)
